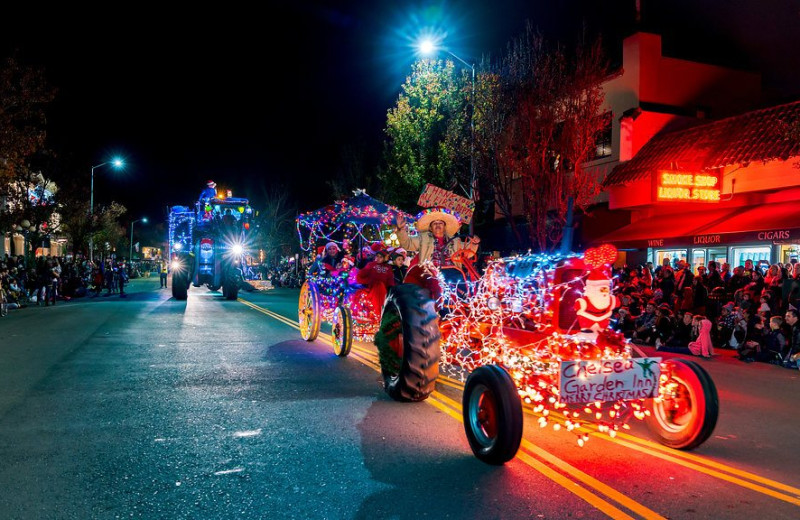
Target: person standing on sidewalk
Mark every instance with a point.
(163, 272)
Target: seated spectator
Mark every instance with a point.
(645, 323)
(664, 324)
(681, 334)
(754, 340)
(764, 305)
(724, 326)
(703, 345)
(774, 343)
(622, 321)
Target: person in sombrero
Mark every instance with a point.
(435, 227)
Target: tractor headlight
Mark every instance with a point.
(237, 249)
(493, 303)
(178, 246)
(176, 265)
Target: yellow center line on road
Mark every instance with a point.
(682, 458)
(688, 460)
(453, 409)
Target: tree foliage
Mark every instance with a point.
(24, 95)
(275, 233)
(552, 130)
(423, 144)
(107, 232)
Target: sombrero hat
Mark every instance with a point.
(451, 219)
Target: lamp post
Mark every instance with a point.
(428, 47)
(130, 255)
(117, 164)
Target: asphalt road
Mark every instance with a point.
(148, 407)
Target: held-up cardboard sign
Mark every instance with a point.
(608, 380)
(433, 196)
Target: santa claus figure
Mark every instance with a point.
(594, 308)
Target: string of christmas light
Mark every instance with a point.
(506, 318)
(335, 291)
(359, 217)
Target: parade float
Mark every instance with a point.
(534, 329)
(334, 297)
(207, 245)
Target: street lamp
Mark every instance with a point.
(130, 256)
(117, 163)
(428, 47)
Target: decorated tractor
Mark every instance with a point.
(535, 329)
(207, 245)
(332, 294)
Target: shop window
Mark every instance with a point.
(789, 253)
(674, 255)
(698, 258)
(756, 254)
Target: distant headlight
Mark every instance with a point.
(237, 249)
(177, 246)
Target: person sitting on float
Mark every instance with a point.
(332, 258)
(436, 227)
(377, 276)
(397, 257)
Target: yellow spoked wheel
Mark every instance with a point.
(342, 331)
(309, 311)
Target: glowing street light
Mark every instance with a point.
(428, 47)
(130, 255)
(117, 163)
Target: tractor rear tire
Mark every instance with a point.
(409, 317)
(180, 286)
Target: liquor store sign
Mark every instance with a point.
(678, 186)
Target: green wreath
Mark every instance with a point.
(391, 327)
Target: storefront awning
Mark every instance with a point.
(775, 217)
(763, 223)
(663, 230)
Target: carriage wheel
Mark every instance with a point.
(342, 331)
(309, 311)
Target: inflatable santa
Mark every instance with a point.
(595, 307)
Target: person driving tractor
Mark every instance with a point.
(435, 242)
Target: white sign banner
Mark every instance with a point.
(608, 380)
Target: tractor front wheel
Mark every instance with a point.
(492, 414)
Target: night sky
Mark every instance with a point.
(271, 96)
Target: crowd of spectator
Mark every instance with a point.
(751, 309)
(46, 280)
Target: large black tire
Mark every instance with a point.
(180, 285)
(492, 414)
(342, 331)
(309, 311)
(409, 316)
(230, 290)
(686, 416)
